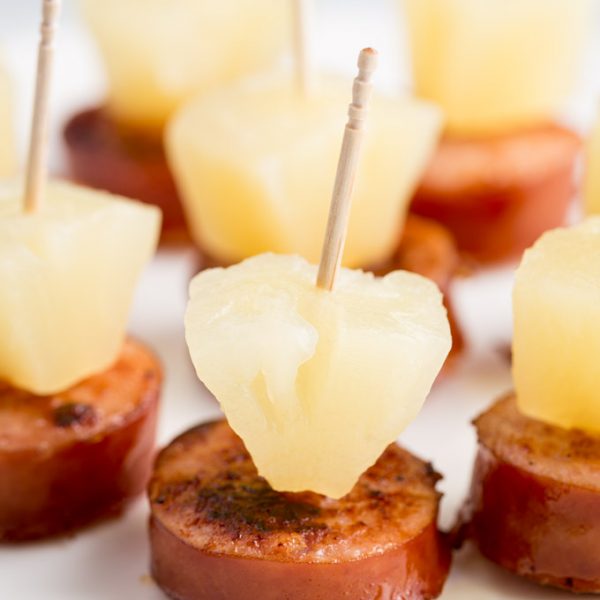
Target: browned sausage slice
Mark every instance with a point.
(219, 531)
(73, 457)
(498, 194)
(534, 506)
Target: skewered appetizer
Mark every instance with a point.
(592, 177)
(317, 381)
(252, 161)
(316, 384)
(501, 71)
(535, 497)
(158, 54)
(257, 179)
(78, 404)
(8, 160)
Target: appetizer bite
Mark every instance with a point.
(8, 154)
(534, 506)
(300, 494)
(252, 163)
(501, 71)
(78, 402)
(158, 54)
(257, 179)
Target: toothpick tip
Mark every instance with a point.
(367, 59)
(50, 9)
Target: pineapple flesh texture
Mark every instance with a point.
(158, 53)
(256, 162)
(8, 153)
(498, 64)
(67, 277)
(557, 328)
(592, 172)
(316, 383)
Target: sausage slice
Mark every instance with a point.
(79, 455)
(219, 531)
(534, 505)
(498, 194)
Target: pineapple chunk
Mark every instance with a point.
(592, 176)
(557, 328)
(160, 52)
(8, 154)
(255, 164)
(496, 64)
(316, 383)
(67, 276)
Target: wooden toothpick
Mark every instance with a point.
(35, 177)
(303, 67)
(339, 212)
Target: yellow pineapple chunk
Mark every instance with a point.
(8, 154)
(496, 64)
(67, 276)
(160, 52)
(254, 163)
(316, 383)
(592, 169)
(556, 344)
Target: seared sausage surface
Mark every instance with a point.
(72, 457)
(218, 530)
(534, 505)
(498, 194)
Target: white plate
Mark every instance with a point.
(110, 560)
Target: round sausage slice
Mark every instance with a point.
(218, 530)
(498, 194)
(534, 505)
(81, 454)
(124, 161)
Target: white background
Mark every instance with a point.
(110, 560)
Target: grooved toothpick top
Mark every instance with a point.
(339, 212)
(38, 144)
